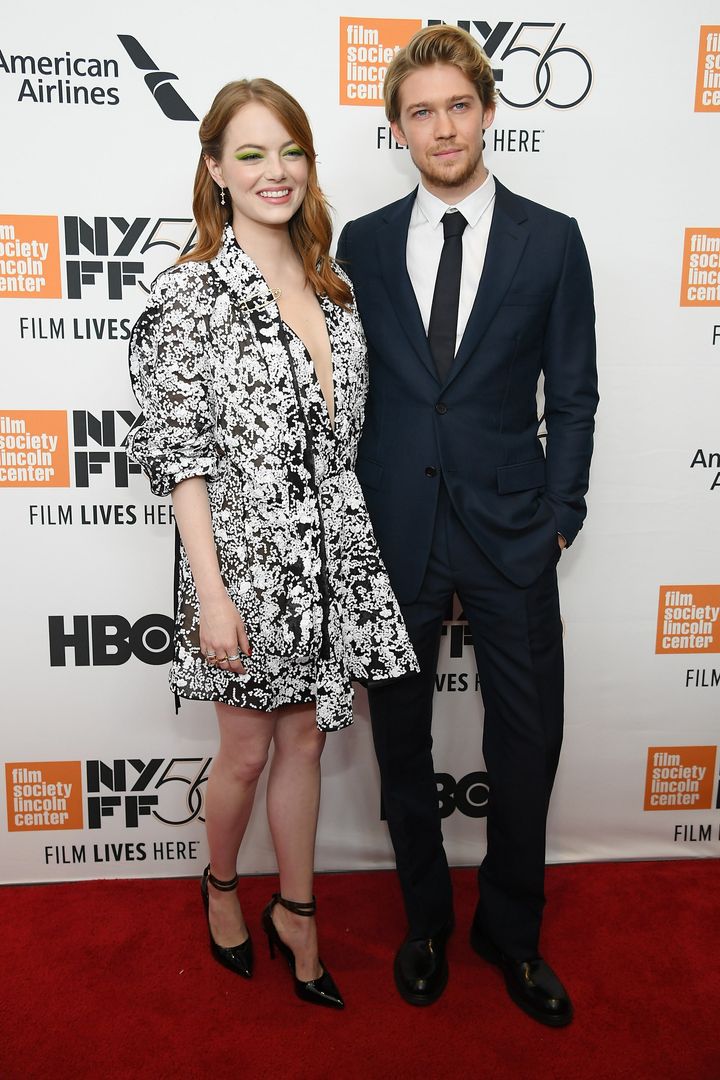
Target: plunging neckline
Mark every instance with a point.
(233, 242)
(330, 419)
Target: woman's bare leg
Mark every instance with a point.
(293, 800)
(245, 736)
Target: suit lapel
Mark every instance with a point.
(392, 246)
(506, 243)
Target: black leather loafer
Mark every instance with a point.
(421, 968)
(532, 984)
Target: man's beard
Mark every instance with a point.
(444, 177)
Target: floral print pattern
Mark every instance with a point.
(229, 392)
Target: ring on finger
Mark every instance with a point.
(237, 656)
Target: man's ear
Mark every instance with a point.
(397, 133)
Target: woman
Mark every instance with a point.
(249, 364)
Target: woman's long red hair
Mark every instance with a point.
(310, 227)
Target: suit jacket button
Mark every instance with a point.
(441, 408)
(431, 471)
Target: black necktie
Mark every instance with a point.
(442, 331)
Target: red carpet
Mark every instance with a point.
(113, 979)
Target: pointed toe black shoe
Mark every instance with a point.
(237, 958)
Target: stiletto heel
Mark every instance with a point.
(320, 991)
(237, 958)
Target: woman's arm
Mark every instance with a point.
(222, 630)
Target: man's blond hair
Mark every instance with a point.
(439, 45)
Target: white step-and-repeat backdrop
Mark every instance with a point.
(610, 113)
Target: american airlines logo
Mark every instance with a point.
(159, 83)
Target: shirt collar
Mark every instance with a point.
(472, 207)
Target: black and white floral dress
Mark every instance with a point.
(229, 392)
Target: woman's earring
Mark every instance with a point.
(222, 196)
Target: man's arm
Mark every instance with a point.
(571, 397)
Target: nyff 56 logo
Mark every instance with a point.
(48, 795)
(115, 253)
(532, 61)
(104, 257)
(130, 789)
(100, 446)
(36, 451)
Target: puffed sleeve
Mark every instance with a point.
(170, 362)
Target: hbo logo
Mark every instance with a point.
(469, 794)
(104, 640)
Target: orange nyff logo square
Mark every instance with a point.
(707, 87)
(34, 448)
(680, 777)
(701, 269)
(43, 795)
(366, 48)
(29, 257)
(688, 619)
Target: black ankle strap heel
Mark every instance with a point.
(320, 991)
(237, 958)
(298, 907)
(222, 886)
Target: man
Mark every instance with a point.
(467, 293)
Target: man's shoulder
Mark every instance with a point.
(536, 213)
(376, 219)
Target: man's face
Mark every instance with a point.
(442, 121)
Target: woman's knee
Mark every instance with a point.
(242, 762)
(303, 743)
(245, 738)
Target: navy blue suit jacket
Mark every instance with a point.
(478, 431)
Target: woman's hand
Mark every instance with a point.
(222, 633)
(222, 630)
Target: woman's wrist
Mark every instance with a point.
(211, 592)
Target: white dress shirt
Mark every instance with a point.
(425, 242)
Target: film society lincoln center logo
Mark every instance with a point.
(701, 268)
(707, 86)
(43, 795)
(34, 448)
(701, 256)
(29, 257)
(680, 777)
(688, 619)
(367, 47)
